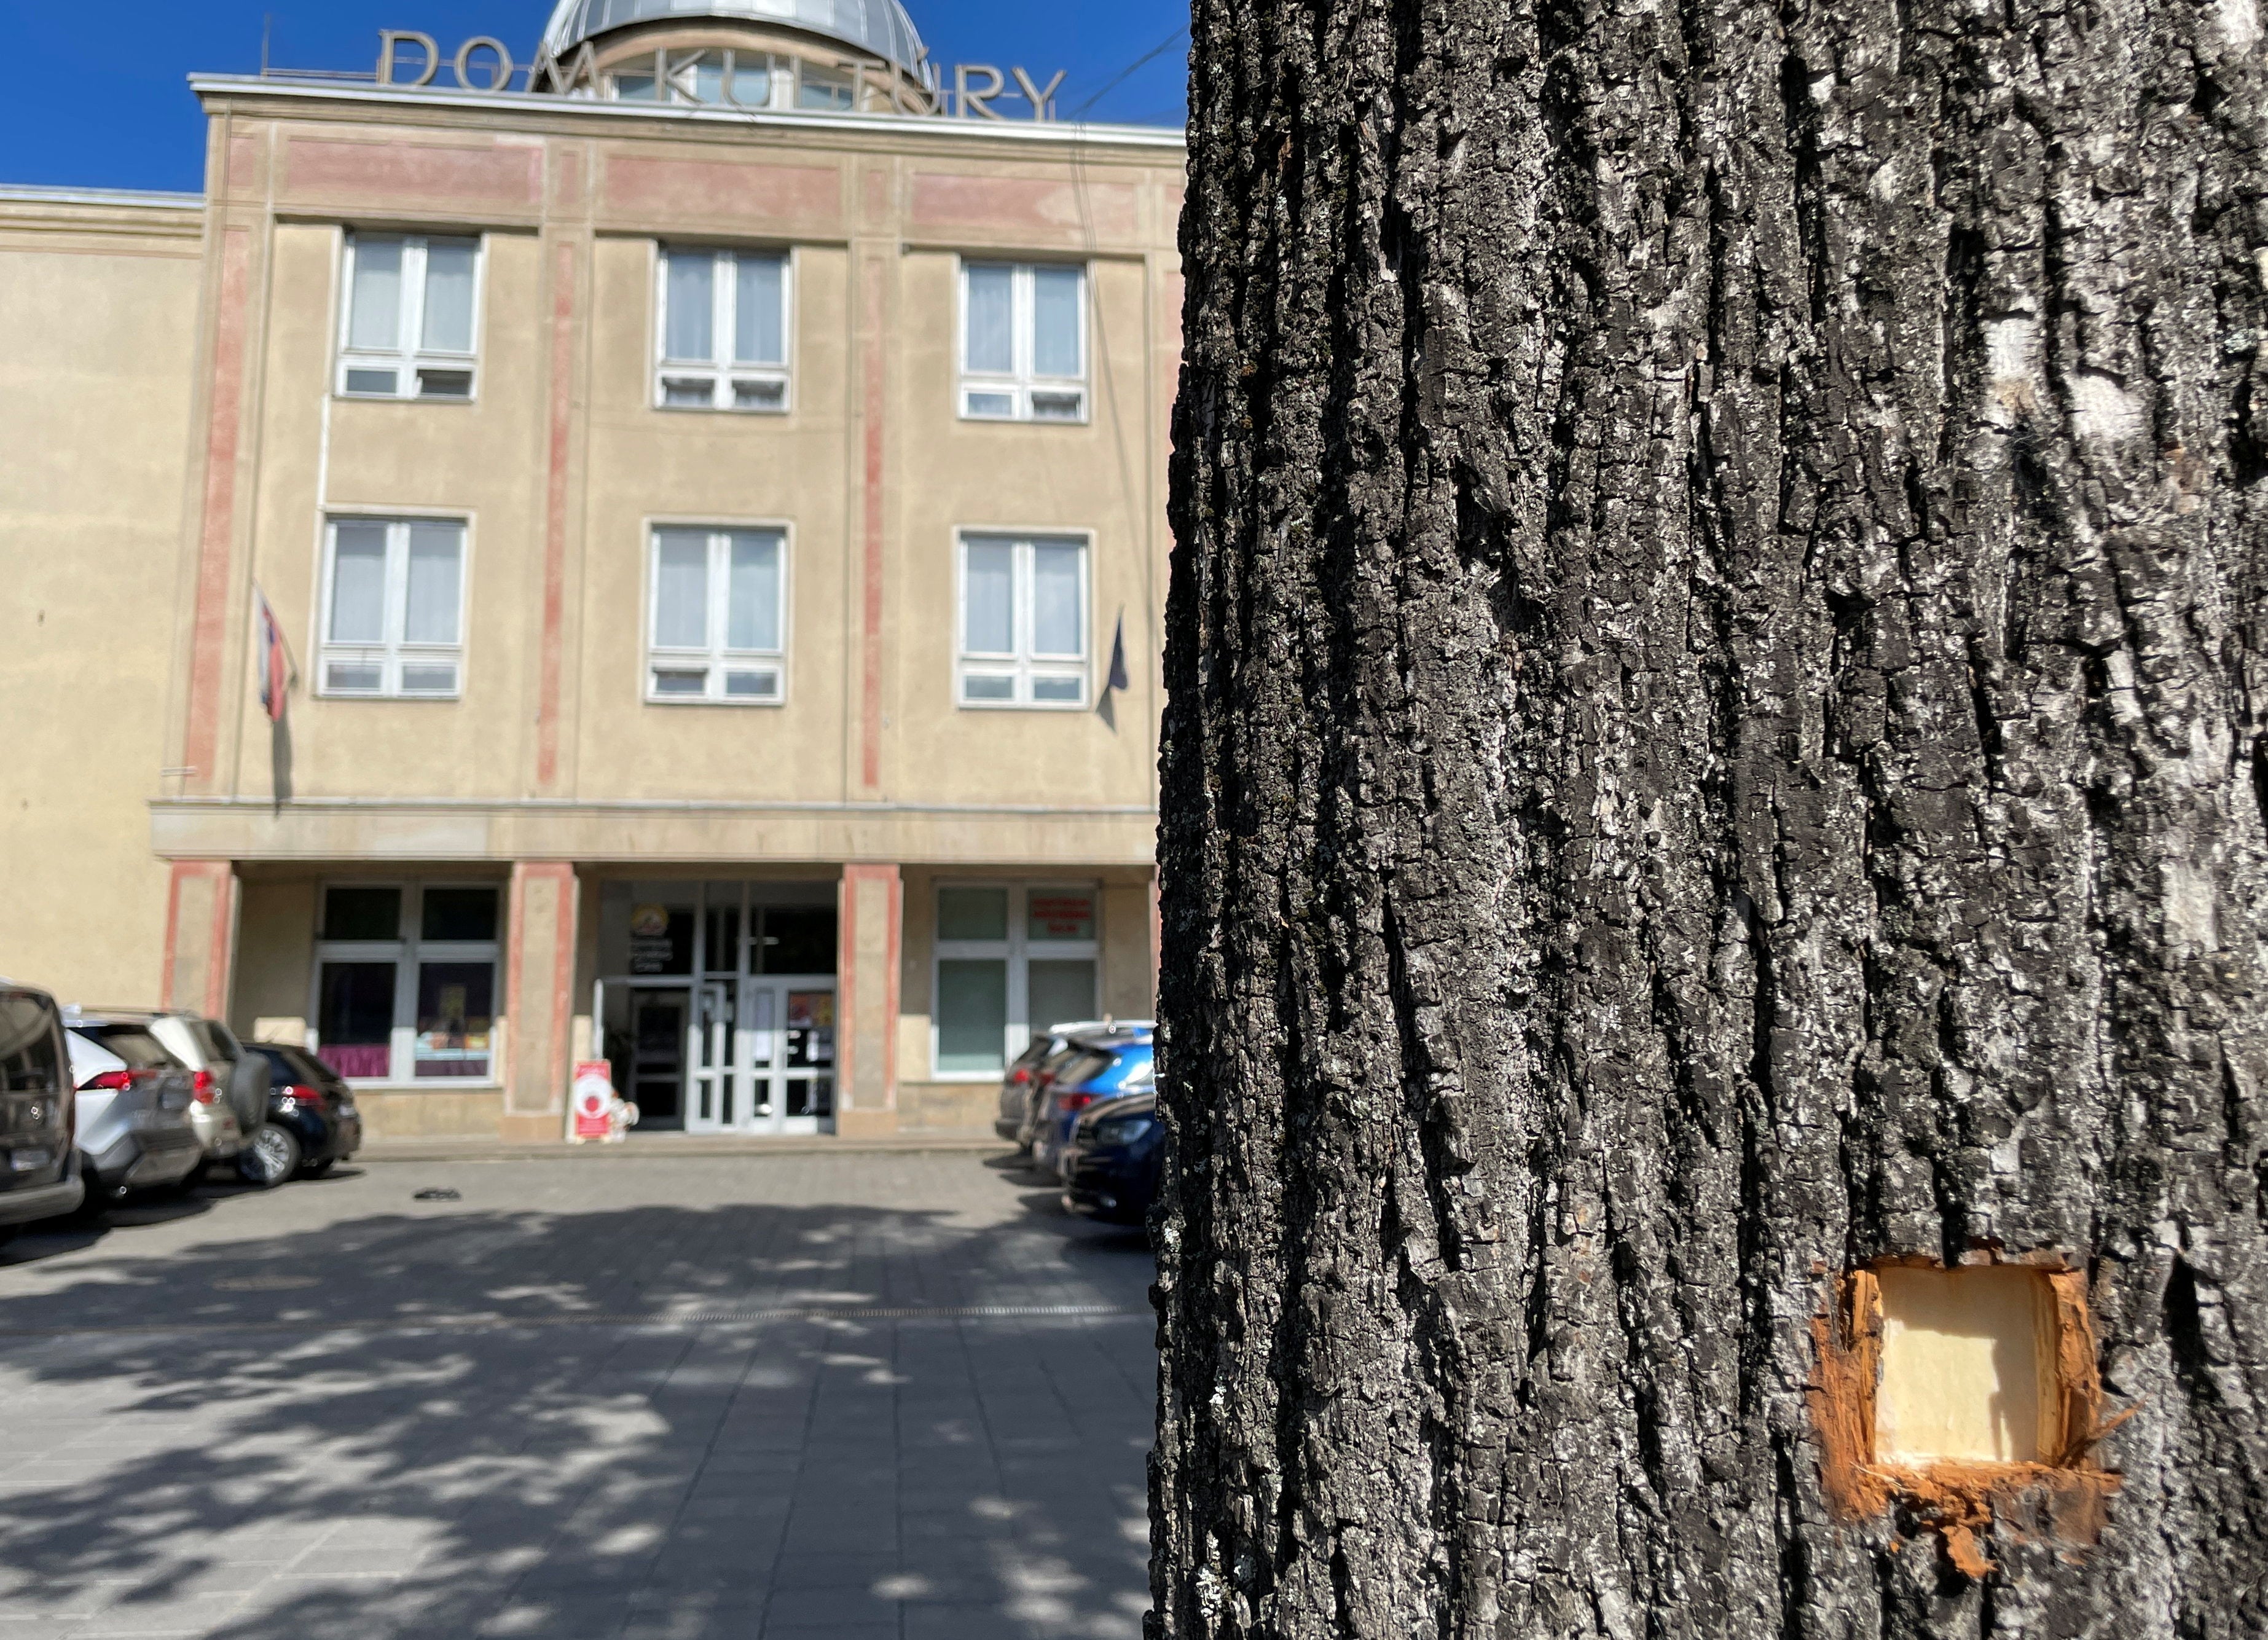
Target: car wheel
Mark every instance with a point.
(271, 1158)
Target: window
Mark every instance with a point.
(31, 1058)
(723, 339)
(1023, 342)
(1010, 962)
(733, 79)
(718, 627)
(1023, 621)
(411, 312)
(406, 981)
(394, 597)
(827, 91)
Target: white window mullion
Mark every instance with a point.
(413, 312)
(722, 289)
(1026, 321)
(1025, 620)
(397, 601)
(721, 603)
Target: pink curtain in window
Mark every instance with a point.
(358, 1061)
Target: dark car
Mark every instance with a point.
(134, 1121)
(38, 1172)
(1115, 1158)
(312, 1124)
(1106, 1065)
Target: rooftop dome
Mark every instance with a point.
(880, 28)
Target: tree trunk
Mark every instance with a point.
(1716, 665)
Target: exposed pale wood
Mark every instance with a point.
(1717, 663)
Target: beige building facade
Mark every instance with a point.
(661, 562)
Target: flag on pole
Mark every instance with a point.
(276, 673)
(1118, 679)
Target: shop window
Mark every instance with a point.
(1010, 962)
(723, 336)
(393, 594)
(1023, 621)
(717, 630)
(1023, 342)
(405, 980)
(412, 313)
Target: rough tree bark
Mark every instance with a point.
(1716, 665)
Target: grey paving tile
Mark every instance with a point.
(859, 1480)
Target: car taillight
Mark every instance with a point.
(112, 1081)
(1023, 1074)
(304, 1094)
(1077, 1101)
(207, 1089)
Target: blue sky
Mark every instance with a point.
(101, 97)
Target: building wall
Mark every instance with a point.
(210, 338)
(561, 464)
(95, 391)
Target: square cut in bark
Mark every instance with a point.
(1954, 1394)
(1968, 1367)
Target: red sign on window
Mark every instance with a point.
(1061, 916)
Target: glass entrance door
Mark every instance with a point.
(787, 1044)
(714, 1096)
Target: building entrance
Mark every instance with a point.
(719, 1010)
(763, 1057)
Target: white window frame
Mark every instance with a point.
(1019, 951)
(393, 651)
(720, 373)
(408, 954)
(1022, 382)
(408, 359)
(1024, 663)
(715, 657)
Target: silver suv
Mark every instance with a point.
(229, 1100)
(134, 1105)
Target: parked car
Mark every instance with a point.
(1023, 1090)
(1115, 1160)
(1105, 1064)
(38, 1174)
(134, 1100)
(230, 1090)
(312, 1124)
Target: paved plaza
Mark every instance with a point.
(858, 1396)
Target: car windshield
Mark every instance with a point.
(132, 1043)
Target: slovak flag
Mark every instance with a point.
(275, 660)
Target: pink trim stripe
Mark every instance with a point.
(224, 422)
(870, 631)
(555, 522)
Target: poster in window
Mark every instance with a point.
(810, 1028)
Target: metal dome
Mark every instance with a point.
(880, 28)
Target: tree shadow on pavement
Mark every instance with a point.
(652, 1421)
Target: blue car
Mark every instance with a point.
(1111, 1065)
